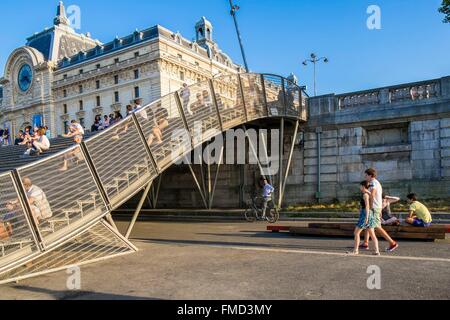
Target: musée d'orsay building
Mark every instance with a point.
(61, 75)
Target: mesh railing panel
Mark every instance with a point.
(293, 103)
(63, 196)
(253, 96)
(275, 95)
(121, 161)
(98, 242)
(200, 112)
(16, 237)
(164, 131)
(229, 101)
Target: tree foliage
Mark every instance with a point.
(445, 9)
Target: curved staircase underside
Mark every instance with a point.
(109, 168)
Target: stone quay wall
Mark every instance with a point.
(403, 131)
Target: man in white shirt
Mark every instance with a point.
(376, 191)
(37, 199)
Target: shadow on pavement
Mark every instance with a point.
(340, 249)
(80, 295)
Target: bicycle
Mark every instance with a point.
(255, 207)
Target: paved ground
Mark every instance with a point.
(241, 261)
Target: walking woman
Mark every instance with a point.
(366, 219)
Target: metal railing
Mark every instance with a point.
(47, 203)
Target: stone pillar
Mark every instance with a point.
(384, 96)
(350, 162)
(445, 148)
(445, 86)
(425, 155)
(322, 105)
(310, 167)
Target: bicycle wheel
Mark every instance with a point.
(273, 214)
(250, 214)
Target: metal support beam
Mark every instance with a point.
(211, 196)
(138, 210)
(95, 176)
(197, 183)
(264, 143)
(110, 220)
(214, 99)
(183, 117)
(263, 83)
(288, 167)
(208, 174)
(155, 195)
(241, 88)
(202, 175)
(285, 105)
(144, 141)
(280, 196)
(252, 147)
(28, 213)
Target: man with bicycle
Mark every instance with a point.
(267, 195)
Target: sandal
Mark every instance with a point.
(352, 253)
(376, 254)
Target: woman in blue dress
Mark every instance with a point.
(366, 219)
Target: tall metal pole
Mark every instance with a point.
(314, 60)
(233, 13)
(315, 90)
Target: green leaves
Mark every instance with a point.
(445, 9)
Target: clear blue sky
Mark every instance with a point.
(412, 45)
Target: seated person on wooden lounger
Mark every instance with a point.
(387, 218)
(419, 215)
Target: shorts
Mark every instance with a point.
(420, 223)
(376, 218)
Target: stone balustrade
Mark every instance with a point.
(417, 92)
(408, 92)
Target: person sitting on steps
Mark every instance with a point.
(77, 132)
(160, 125)
(39, 144)
(419, 215)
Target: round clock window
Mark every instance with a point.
(25, 77)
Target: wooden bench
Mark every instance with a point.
(434, 232)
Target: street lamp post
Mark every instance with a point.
(235, 8)
(314, 60)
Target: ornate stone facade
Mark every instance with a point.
(77, 77)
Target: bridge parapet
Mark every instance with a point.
(411, 94)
